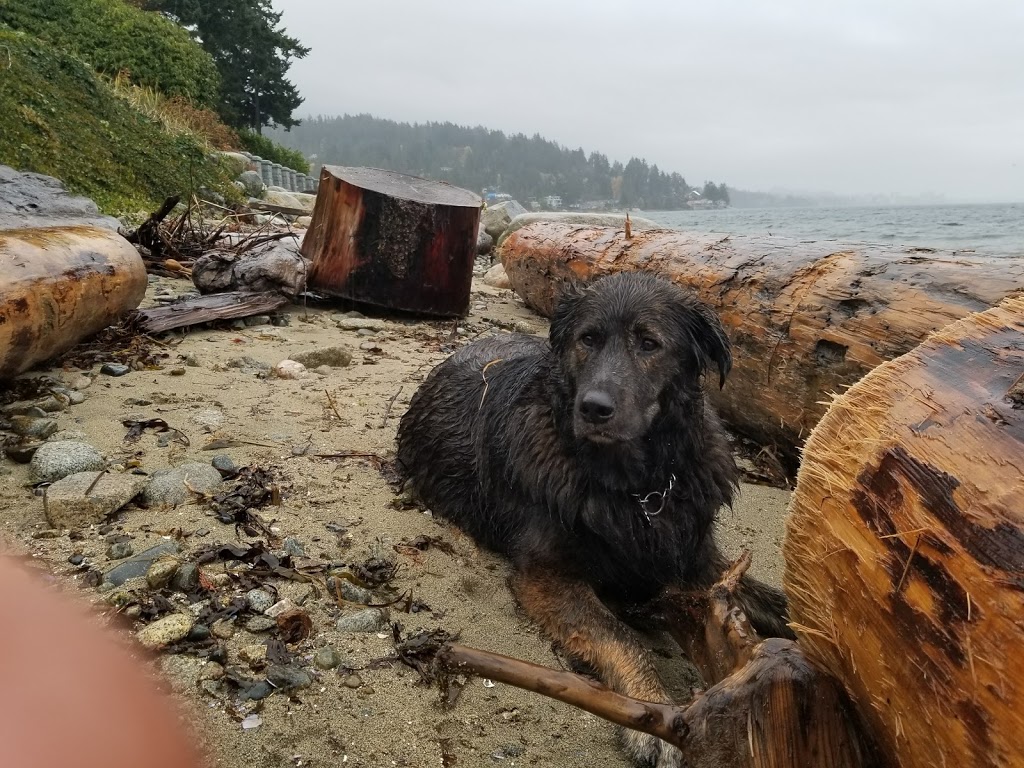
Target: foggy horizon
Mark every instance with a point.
(911, 99)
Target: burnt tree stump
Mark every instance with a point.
(393, 240)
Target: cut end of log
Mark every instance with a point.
(904, 546)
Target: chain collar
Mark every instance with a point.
(647, 501)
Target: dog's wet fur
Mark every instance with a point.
(594, 462)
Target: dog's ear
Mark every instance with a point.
(709, 338)
(567, 301)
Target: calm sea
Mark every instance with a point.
(996, 229)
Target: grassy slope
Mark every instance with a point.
(59, 118)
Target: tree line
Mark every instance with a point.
(526, 167)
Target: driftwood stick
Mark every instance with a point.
(662, 720)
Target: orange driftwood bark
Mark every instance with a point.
(805, 319)
(904, 551)
(393, 240)
(60, 285)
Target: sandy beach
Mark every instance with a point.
(371, 713)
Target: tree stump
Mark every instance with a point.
(60, 285)
(392, 240)
(904, 550)
(805, 319)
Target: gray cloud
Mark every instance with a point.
(906, 96)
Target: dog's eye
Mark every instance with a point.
(587, 339)
(647, 344)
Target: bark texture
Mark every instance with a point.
(392, 240)
(805, 319)
(59, 286)
(904, 551)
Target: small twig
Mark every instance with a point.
(387, 412)
(92, 485)
(349, 455)
(330, 401)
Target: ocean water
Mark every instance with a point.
(996, 229)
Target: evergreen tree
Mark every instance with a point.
(527, 167)
(252, 53)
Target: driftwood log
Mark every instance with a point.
(392, 240)
(766, 705)
(59, 286)
(805, 319)
(203, 309)
(904, 551)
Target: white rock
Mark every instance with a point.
(289, 369)
(496, 277)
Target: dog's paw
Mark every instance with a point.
(650, 751)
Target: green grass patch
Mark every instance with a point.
(115, 37)
(58, 117)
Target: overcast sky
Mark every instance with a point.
(904, 96)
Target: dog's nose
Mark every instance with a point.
(597, 406)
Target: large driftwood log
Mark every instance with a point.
(61, 285)
(766, 705)
(392, 240)
(805, 319)
(904, 551)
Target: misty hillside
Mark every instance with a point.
(528, 168)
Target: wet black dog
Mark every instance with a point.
(594, 463)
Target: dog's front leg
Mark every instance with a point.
(570, 613)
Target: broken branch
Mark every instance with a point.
(662, 720)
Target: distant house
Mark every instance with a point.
(553, 201)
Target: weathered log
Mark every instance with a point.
(767, 705)
(904, 550)
(805, 319)
(204, 309)
(392, 240)
(60, 285)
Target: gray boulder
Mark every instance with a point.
(484, 242)
(496, 218)
(68, 506)
(584, 219)
(34, 200)
(56, 460)
(239, 162)
(252, 183)
(305, 199)
(497, 278)
(172, 487)
(138, 565)
(335, 357)
(278, 266)
(284, 199)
